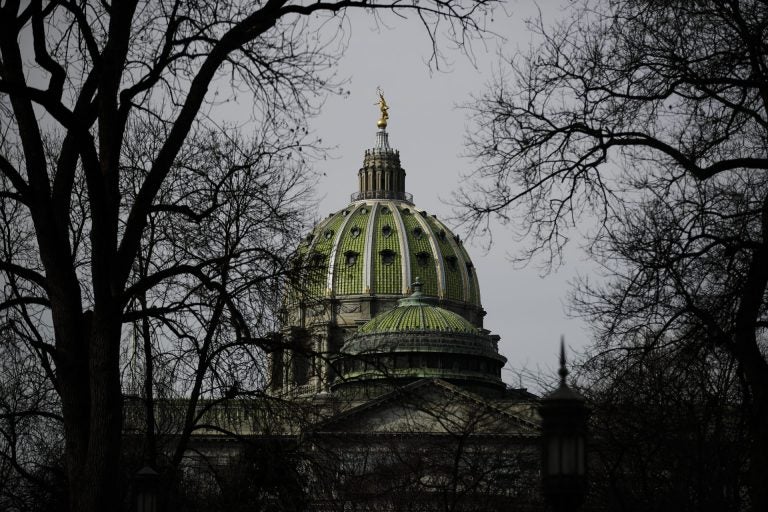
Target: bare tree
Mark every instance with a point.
(629, 102)
(78, 77)
(664, 320)
(204, 339)
(31, 458)
(667, 430)
(189, 343)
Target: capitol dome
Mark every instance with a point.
(381, 242)
(357, 295)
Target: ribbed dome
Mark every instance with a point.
(355, 304)
(380, 243)
(419, 340)
(380, 246)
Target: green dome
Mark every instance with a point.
(419, 340)
(380, 243)
(380, 246)
(353, 299)
(415, 314)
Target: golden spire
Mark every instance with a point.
(382, 103)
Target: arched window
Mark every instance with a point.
(318, 260)
(387, 257)
(350, 258)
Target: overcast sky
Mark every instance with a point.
(426, 125)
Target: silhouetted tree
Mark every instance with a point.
(190, 344)
(651, 117)
(667, 430)
(76, 78)
(664, 319)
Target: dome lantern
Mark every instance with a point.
(381, 176)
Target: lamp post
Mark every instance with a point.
(564, 416)
(146, 481)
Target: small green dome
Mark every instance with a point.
(414, 313)
(418, 340)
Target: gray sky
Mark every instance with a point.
(525, 309)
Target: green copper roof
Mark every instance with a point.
(413, 313)
(379, 246)
(419, 340)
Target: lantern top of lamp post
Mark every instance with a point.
(563, 392)
(147, 471)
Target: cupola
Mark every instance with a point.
(381, 176)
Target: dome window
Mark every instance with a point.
(345, 212)
(308, 238)
(418, 233)
(469, 269)
(318, 260)
(328, 234)
(453, 262)
(354, 232)
(385, 210)
(350, 258)
(386, 231)
(387, 257)
(363, 210)
(441, 235)
(406, 211)
(423, 258)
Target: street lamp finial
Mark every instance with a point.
(563, 371)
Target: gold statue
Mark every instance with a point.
(382, 103)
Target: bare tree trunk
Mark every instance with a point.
(753, 363)
(100, 486)
(150, 442)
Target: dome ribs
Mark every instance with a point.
(348, 278)
(420, 244)
(387, 277)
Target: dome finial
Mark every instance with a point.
(416, 298)
(384, 108)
